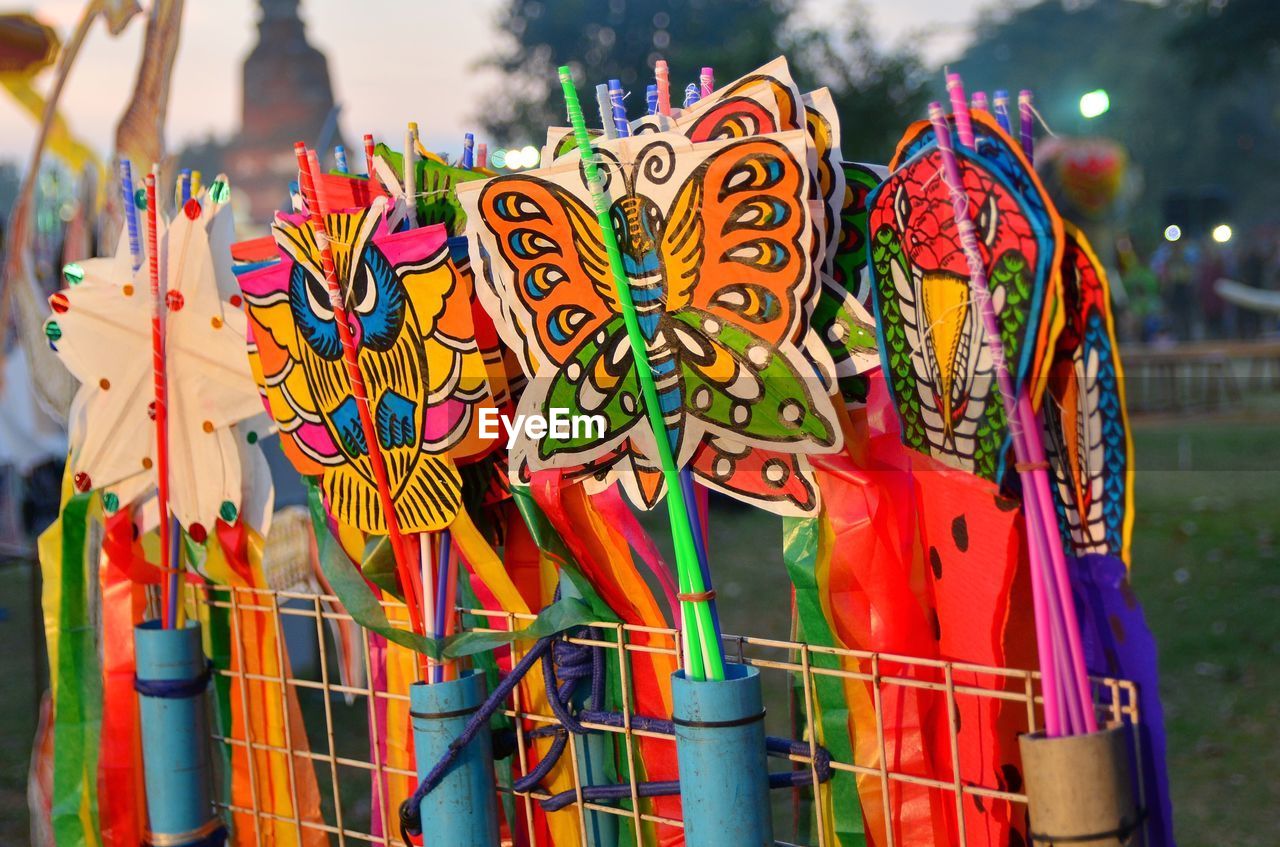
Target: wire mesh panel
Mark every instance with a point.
(315, 745)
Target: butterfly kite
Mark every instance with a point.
(715, 240)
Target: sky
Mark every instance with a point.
(425, 69)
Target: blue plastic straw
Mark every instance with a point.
(691, 94)
(468, 151)
(443, 601)
(620, 125)
(340, 158)
(130, 213)
(651, 99)
(1000, 101)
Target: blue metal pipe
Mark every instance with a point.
(462, 811)
(175, 734)
(720, 746)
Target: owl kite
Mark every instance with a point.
(410, 314)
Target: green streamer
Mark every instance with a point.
(800, 552)
(77, 722)
(366, 610)
(707, 660)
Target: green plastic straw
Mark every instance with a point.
(706, 661)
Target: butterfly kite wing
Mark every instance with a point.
(553, 289)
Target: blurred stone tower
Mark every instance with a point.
(287, 98)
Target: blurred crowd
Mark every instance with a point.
(1173, 297)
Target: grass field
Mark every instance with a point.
(1206, 557)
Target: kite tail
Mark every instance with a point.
(590, 544)
(864, 571)
(1118, 643)
(973, 544)
(122, 813)
(260, 708)
(66, 548)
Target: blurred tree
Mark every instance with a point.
(1224, 40)
(1180, 135)
(875, 91)
(620, 39)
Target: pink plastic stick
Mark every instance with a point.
(982, 299)
(1041, 519)
(960, 108)
(1057, 559)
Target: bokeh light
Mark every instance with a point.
(1095, 103)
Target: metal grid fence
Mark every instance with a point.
(338, 764)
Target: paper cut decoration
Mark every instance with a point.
(1085, 420)
(932, 342)
(435, 183)
(424, 373)
(101, 329)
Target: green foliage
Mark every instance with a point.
(620, 39)
(1179, 134)
(874, 91)
(1223, 41)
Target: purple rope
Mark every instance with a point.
(564, 666)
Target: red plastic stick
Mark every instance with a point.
(169, 587)
(368, 154)
(307, 167)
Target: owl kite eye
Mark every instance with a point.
(318, 299)
(364, 293)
